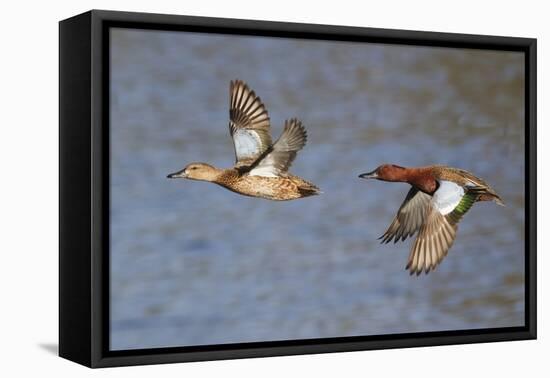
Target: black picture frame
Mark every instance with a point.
(84, 188)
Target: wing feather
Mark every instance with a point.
(435, 219)
(278, 159)
(249, 123)
(409, 217)
(434, 239)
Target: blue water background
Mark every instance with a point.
(192, 263)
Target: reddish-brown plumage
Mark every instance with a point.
(422, 178)
(424, 213)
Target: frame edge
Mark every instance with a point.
(96, 356)
(75, 337)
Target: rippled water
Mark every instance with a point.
(192, 263)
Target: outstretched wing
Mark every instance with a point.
(278, 158)
(434, 240)
(436, 236)
(249, 122)
(409, 217)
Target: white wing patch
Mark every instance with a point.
(247, 144)
(447, 196)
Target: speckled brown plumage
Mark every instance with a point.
(261, 167)
(282, 188)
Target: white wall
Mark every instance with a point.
(28, 269)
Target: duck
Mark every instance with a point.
(438, 199)
(261, 166)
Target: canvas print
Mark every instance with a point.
(272, 189)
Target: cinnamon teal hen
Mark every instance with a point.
(261, 167)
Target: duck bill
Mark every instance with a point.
(179, 174)
(369, 175)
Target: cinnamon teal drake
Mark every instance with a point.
(261, 167)
(438, 199)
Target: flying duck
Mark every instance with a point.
(438, 199)
(261, 167)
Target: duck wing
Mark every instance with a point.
(278, 158)
(409, 217)
(248, 123)
(436, 235)
(435, 238)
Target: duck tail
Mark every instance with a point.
(492, 197)
(498, 200)
(308, 190)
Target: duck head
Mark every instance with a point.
(387, 172)
(197, 171)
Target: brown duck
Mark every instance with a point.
(261, 167)
(437, 201)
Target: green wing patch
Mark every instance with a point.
(463, 206)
